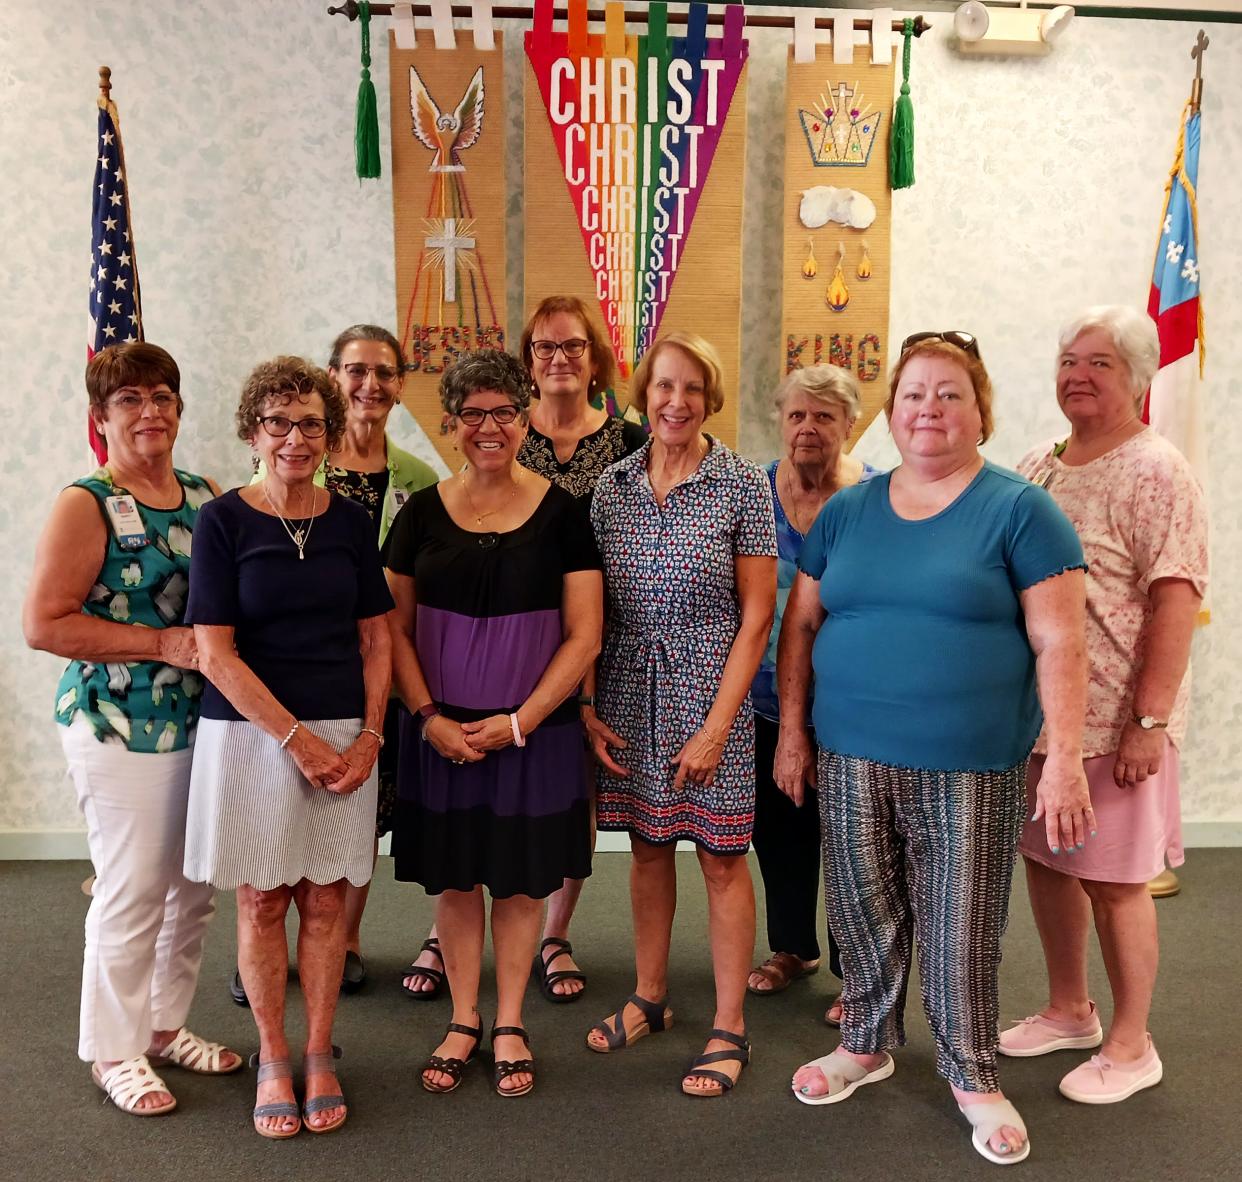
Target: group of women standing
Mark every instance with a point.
(850, 666)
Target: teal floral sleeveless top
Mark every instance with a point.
(146, 705)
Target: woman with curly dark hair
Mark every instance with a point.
(499, 614)
(288, 603)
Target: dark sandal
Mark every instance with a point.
(701, 1068)
(780, 970)
(435, 976)
(656, 1018)
(507, 1067)
(548, 979)
(319, 1063)
(275, 1069)
(452, 1067)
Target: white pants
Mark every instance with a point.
(145, 926)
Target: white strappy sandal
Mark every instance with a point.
(985, 1120)
(188, 1051)
(846, 1074)
(126, 1083)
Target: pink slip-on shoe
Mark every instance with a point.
(1101, 1081)
(1038, 1035)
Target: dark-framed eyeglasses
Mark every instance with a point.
(279, 426)
(473, 416)
(131, 401)
(965, 341)
(384, 374)
(546, 350)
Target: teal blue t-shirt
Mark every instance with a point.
(923, 659)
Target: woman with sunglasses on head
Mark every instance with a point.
(499, 612)
(569, 441)
(930, 605)
(109, 592)
(368, 366)
(288, 602)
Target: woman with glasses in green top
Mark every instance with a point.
(109, 591)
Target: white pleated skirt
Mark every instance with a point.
(254, 819)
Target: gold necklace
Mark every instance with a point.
(299, 537)
(480, 517)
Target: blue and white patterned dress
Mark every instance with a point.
(673, 614)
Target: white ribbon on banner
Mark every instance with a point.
(442, 24)
(881, 36)
(804, 35)
(403, 26)
(481, 19)
(843, 39)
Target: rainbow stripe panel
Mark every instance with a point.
(636, 122)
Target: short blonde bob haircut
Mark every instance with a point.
(974, 367)
(701, 352)
(829, 384)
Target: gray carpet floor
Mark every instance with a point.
(621, 1116)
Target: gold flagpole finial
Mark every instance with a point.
(1202, 41)
(105, 83)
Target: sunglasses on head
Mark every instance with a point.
(965, 341)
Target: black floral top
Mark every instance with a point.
(367, 489)
(615, 440)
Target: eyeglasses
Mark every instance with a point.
(955, 336)
(473, 416)
(546, 350)
(385, 374)
(279, 426)
(131, 401)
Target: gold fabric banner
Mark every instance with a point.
(448, 198)
(837, 220)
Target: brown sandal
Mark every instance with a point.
(781, 969)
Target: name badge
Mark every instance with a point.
(398, 497)
(127, 524)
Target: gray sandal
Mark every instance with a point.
(317, 1062)
(275, 1069)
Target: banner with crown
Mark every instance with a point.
(837, 215)
(448, 196)
(635, 145)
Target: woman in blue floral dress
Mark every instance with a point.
(686, 532)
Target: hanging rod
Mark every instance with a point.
(525, 11)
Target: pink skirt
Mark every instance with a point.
(1138, 828)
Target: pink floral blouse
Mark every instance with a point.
(1141, 516)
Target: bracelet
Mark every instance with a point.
(422, 730)
(428, 710)
(519, 740)
(586, 700)
(366, 730)
(715, 742)
(293, 730)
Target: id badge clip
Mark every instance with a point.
(397, 498)
(127, 525)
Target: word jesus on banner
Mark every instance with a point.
(637, 124)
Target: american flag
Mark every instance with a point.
(115, 303)
(1175, 402)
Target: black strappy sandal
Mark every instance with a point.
(548, 979)
(656, 1018)
(435, 976)
(451, 1066)
(507, 1067)
(701, 1066)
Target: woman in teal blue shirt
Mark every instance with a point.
(109, 592)
(931, 602)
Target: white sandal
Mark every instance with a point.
(195, 1054)
(988, 1118)
(847, 1074)
(127, 1083)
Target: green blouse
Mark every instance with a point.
(146, 705)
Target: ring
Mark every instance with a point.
(459, 762)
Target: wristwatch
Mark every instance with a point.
(1148, 723)
(586, 700)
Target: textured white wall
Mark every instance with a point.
(1039, 189)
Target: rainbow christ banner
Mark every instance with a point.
(636, 122)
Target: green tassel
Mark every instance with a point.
(901, 142)
(366, 118)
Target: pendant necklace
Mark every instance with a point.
(474, 509)
(301, 535)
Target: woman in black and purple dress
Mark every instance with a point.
(499, 614)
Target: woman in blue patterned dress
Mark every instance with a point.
(109, 591)
(686, 533)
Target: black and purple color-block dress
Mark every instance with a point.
(487, 625)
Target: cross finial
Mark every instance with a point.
(1202, 41)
